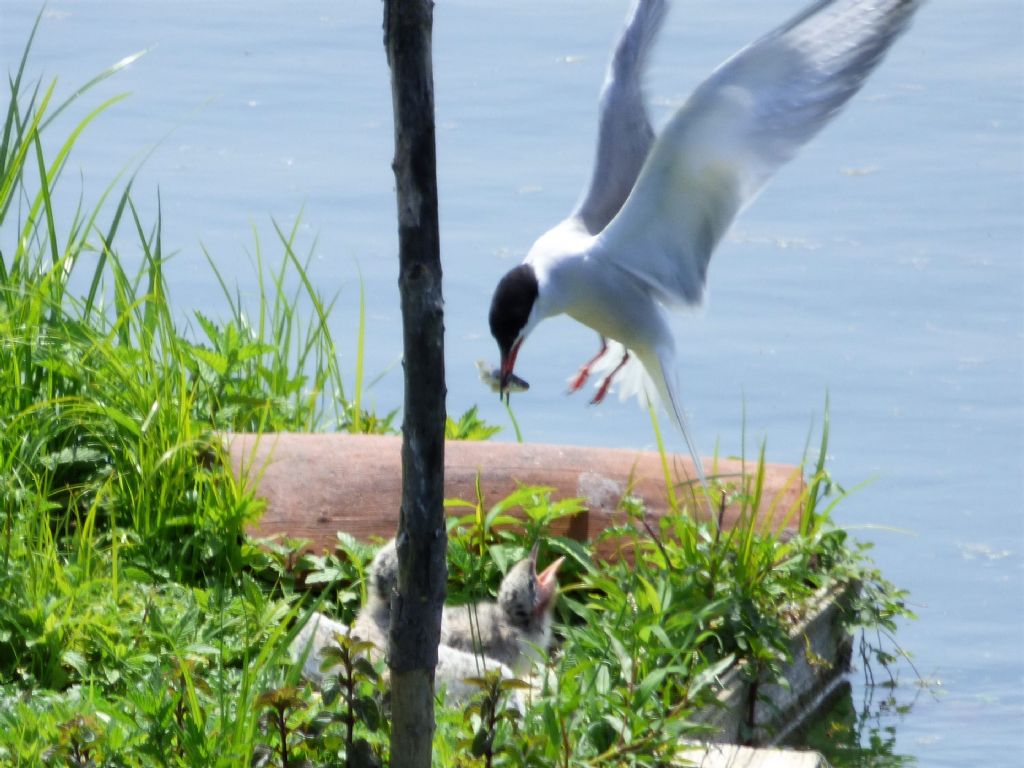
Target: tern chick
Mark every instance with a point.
(511, 629)
(374, 617)
(372, 624)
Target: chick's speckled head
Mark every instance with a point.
(383, 572)
(525, 595)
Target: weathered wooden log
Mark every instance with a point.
(318, 484)
(820, 648)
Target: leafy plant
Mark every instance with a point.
(492, 717)
(357, 688)
(281, 707)
(485, 543)
(469, 426)
(340, 576)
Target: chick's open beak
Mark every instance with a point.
(547, 585)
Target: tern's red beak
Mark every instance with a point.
(508, 364)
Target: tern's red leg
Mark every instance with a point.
(584, 372)
(607, 381)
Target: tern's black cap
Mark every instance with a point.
(510, 308)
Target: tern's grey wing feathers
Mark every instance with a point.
(624, 134)
(815, 64)
(747, 119)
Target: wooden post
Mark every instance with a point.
(422, 540)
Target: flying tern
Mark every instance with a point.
(639, 241)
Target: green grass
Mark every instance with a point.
(141, 626)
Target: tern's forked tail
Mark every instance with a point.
(651, 380)
(662, 375)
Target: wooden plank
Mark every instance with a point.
(821, 649)
(317, 484)
(764, 713)
(733, 756)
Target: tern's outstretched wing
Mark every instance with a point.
(624, 133)
(738, 127)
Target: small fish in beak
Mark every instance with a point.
(492, 377)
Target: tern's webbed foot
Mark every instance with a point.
(602, 390)
(576, 382)
(606, 382)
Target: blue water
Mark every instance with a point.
(885, 266)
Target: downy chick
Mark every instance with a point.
(513, 628)
(374, 617)
(319, 631)
(373, 624)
